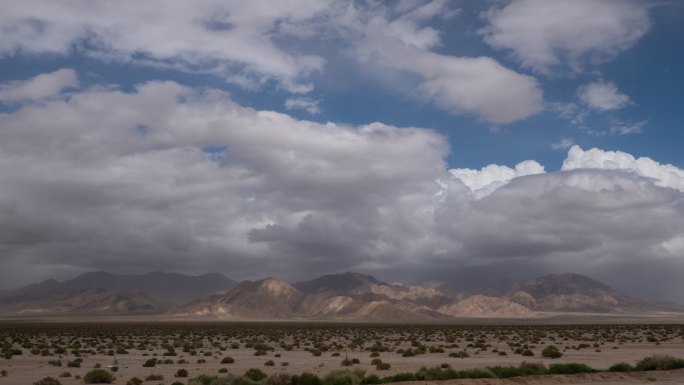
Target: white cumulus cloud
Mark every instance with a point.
(603, 96)
(664, 175)
(484, 181)
(38, 87)
(543, 34)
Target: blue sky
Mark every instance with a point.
(646, 70)
(414, 139)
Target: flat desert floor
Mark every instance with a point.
(53, 349)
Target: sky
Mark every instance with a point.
(416, 140)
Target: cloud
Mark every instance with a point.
(38, 87)
(478, 86)
(623, 128)
(235, 40)
(544, 34)
(563, 144)
(602, 96)
(484, 181)
(177, 178)
(307, 104)
(277, 43)
(663, 175)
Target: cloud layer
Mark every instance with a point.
(545, 34)
(276, 43)
(178, 178)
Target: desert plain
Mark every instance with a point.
(152, 349)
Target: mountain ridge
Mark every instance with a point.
(333, 297)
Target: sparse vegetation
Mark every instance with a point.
(98, 376)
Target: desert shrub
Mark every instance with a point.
(570, 368)
(527, 353)
(279, 379)
(660, 363)
(181, 373)
(461, 354)
(341, 377)
(74, 364)
(531, 368)
(269, 363)
(621, 367)
(371, 380)
(255, 374)
(406, 376)
(48, 381)
(65, 374)
(223, 370)
(114, 368)
(151, 363)
(55, 363)
(434, 349)
(376, 361)
(154, 377)
(213, 380)
(505, 371)
(284, 363)
(177, 383)
(3, 373)
(551, 351)
(306, 378)
(383, 366)
(227, 360)
(475, 373)
(98, 376)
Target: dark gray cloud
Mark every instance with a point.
(82, 187)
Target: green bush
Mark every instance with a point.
(151, 363)
(48, 381)
(660, 363)
(341, 377)
(371, 380)
(570, 368)
(98, 376)
(279, 379)
(255, 374)
(527, 353)
(154, 377)
(134, 381)
(269, 363)
(227, 360)
(531, 368)
(621, 367)
(551, 351)
(306, 378)
(181, 373)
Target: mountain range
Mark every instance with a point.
(336, 297)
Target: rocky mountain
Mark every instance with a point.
(86, 302)
(574, 293)
(484, 306)
(340, 297)
(368, 288)
(172, 288)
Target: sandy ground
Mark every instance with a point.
(27, 368)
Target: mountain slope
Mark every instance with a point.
(166, 287)
(574, 293)
(87, 302)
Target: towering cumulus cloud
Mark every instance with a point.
(185, 178)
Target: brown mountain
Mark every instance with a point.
(272, 299)
(575, 293)
(86, 302)
(173, 288)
